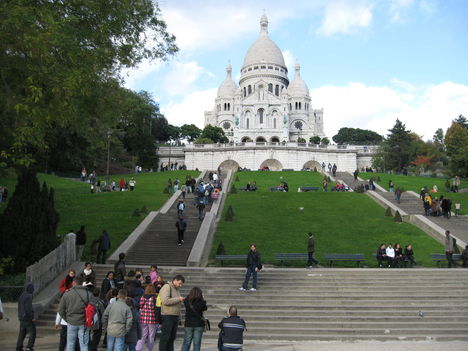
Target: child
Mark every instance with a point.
(457, 208)
(154, 274)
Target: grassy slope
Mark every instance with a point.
(416, 183)
(111, 211)
(341, 222)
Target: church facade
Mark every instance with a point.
(265, 106)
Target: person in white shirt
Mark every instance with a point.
(390, 251)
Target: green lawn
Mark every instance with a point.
(111, 211)
(341, 222)
(415, 183)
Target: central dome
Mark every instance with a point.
(264, 50)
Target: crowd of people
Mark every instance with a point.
(441, 206)
(394, 256)
(130, 311)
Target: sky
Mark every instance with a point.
(366, 62)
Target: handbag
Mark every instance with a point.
(205, 320)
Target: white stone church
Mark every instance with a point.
(265, 106)
(264, 117)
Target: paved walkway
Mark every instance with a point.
(50, 342)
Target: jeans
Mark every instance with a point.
(311, 259)
(250, 270)
(148, 332)
(95, 338)
(450, 260)
(131, 346)
(194, 334)
(168, 332)
(77, 331)
(26, 327)
(180, 235)
(115, 344)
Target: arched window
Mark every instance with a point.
(270, 88)
(247, 123)
(249, 89)
(245, 92)
(260, 115)
(290, 107)
(229, 106)
(277, 90)
(296, 105)
(299, 105)
(274, 123)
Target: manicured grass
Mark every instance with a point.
(341, 222)
(111, 211)
(415, 183)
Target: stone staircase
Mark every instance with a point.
(330, 304)
(348, 179)
(409, 203)
(158, 244)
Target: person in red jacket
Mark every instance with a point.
(66, 283)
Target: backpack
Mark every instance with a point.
(89, 310)
(207, 192)
(181, 207)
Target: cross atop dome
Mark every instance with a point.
(264, 23)
(297, 68)
(229, 69)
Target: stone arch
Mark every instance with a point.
(311, 165)
(246, 139)
(275, 139)
(272, 164)
(260, 139)
(229, 165)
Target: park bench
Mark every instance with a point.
(442, 258)
(290, 257)
(358, 258)
(405, 261)
(287, 169)
(309, 188)
(242, 188)
(275, 188)
(223, 258)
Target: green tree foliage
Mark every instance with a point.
(461, 120)
(388, 212)
(229, 217)
(190, 132)
(29, 223)
(301, 140)
(357, 136)
(59, 65)
(315, 140)
(397, 217)
(456, 142)
(325, 141)
(216, 134)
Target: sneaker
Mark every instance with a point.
(253, 289)
(241, 289)
(182, 241)
(179, 244)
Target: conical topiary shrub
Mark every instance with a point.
(237, 179)
(136, 213)
(220, 250)
(229, 214)
(388, 212)
(165, 190)
(233, 189)
(144, 209)
(397, 217)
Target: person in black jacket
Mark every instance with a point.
(254, 264)
(181, 225)
(232, 331)
(26, 319)
(381, 254)
(104, 246)
(108, 283)
(80, 242)
(194, 325)
(120, 271)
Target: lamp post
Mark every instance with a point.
(109, 133)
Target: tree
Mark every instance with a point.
(325, 141)
(216, 134)
(456, 142)
(461, 120)
(398, 152)
(439, 136)
(422, 161)
(59, 61)
(357, 136)
(29, 223)
(190, 131)
(315, 140)
(174, 133)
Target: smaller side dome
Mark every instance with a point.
(228, 87)
(298, 87)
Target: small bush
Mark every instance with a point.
(397, 217)
(388, 212)
(237, 179)
(378, 179)
(315, 169)
(233, 189)
(165, 190)
(136, 213)
(144, 209)
(220, 250)
(229, 214)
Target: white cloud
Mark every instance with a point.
(289, 60)
(191, 109)
(180, 79)
(345, 17)
(423, 109)
(134, 77)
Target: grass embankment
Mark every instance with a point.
(415, 183)
(341, 222)
(111, 211)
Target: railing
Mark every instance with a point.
(249, 144)
(50, 266)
